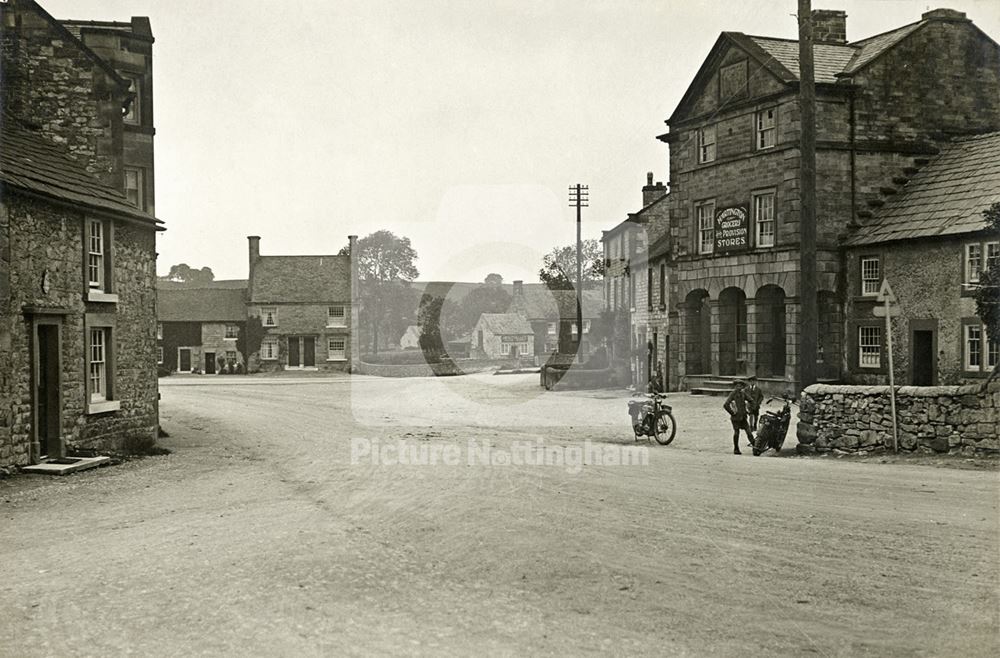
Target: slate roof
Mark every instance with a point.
(870, 48)
(201, 305)
(508, 324)
(301, 279)
(30, 162)
(829, 59)
(946, 197)
(537, 302)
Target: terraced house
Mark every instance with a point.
(77, 250)
(887, 106)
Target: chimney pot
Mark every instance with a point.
(649, 178)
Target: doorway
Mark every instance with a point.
(923, 352)
(184, 359)
(301, 351)
(48, 419)
(209, 363)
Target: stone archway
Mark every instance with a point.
(732, 331)
(770, 330)
(697, 333)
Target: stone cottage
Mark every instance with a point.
(77, 253)
(928, 240)
(202, 329)
(503, 336)
(306, 308)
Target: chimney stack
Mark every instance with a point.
(254, 241)
(518, 288)
(829, 26)
(651, 192)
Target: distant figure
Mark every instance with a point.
(755, 397)
(656, 380)
(736, 406)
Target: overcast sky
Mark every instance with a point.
(458, 124)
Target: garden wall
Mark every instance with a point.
(940, 419)
(442, 369)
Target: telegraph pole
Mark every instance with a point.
(578, 197)
(809, 319)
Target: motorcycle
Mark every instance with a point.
(773, 427)
(651, 417)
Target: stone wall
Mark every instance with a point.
(48, 239)
(52, 81)
(940, 419)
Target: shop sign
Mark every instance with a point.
(732, 229)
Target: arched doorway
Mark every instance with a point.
(770, 309)
(697, 333)
(732, 332)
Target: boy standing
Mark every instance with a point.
(736, 406)
(755, 397)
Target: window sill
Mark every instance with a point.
(336, 326)
(339, 358)
(103, 407)
(102, 297)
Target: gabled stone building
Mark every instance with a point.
(77, 255)
(306, 307)
(202, 329)
(885, 105)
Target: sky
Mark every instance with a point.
(458, 124)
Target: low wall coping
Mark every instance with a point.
(901, 391)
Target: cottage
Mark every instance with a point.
(306, 309)
(552, 316)
(503, 336)
(202, 329)
(77, 252)
(929, 242)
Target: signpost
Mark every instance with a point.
(889, 311)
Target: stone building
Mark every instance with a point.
(634, 289)
(734, 176)
(77, 256)
(552, 317)
(306, 307)
(503, 336)
(201, 329)
(929, 242)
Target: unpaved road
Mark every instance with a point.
(257, 536)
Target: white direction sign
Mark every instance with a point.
(885, 293)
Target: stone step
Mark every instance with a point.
(718, 383)
(706, 390)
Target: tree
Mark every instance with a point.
(248, 342)
(481, 299)
(385, 270)
(559, 265)
(494, 279)
(184, 273)
(987, 293)
(436, 320)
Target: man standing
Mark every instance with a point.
(736, 406)
(755, 397)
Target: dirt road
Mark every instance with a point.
(258, 536)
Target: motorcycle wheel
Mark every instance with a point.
(665, 428)
(759, 445)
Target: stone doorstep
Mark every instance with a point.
(66, 465)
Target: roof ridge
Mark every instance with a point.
(860, 42)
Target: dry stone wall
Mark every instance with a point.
(940, 419)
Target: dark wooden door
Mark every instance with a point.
(924, 359)
(184, 357)
(209, 363)
(778, 341)
(309, 351)
(293, 352)
(47, 389)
